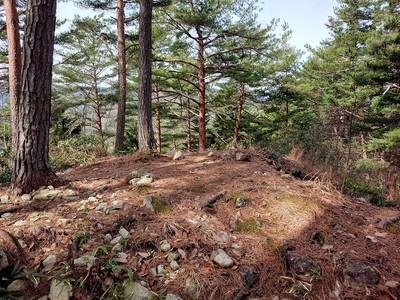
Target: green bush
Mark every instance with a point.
(356, 187)
(5, 169)
(75, 151)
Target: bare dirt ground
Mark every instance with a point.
(276, 215)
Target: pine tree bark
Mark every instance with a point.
(119, 137)
(145, 127)
(14, 64)
(31, 165)
(202, 94)
(188, 126)
(238, 115)
(158, 117)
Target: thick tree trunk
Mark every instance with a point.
(14, 64)
(238, 115)
(158, 118)
(119, 137)
(202, 95)
(31, 165)
(145, 127)
(188, 126)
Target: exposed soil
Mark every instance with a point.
(278, 213)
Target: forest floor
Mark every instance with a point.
(205, 228)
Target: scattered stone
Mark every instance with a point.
(70, 197)
(174, 265)
(19, 234)
(371, 238)
(139, 177)
(135, 291)
(102, 188)
(20, 223)
(178, 155)
(108, 238)
(17, 286)
(358, 275)
(145, 180)
(7, 215)
(49, 262)
(161, 270)
(4, 263)
(117, 248)
(302, 264)
(92, 199)
(148, 202)
(240, 202)
(22, 244)
(337, 226)
(5, 199)
(228, 155)
(102, 206)
(392, 284)
(26, 197)
(172, 297)
(64, 221)
(172, 256)
(116, 240)
(84, 260)
(60, 290)
(286, 176)
(250, 276)
(124, 233)
(117, 204)
(240, 156)
(211, 154)
(46, 194)
(223, 259)
(233, 223)
(191, 288)
(165, 246)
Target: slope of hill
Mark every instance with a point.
(203, 227)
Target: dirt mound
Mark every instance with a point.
(274, 235)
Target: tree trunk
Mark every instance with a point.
(31, 165)
(97, 108)
(14, 64)
(238, 115)
(158, 121)
(202, 95)
(188, 126)
(119, 137)
(145, 127)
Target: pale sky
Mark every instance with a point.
(306, 18)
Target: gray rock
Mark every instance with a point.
(242, 295)
(124, 233)
(250, 276)
(108, 238)
(302, 264)
(161, 270)
(211, 154)
(116, 204)
(174, 265)
(135, 291)
(240, 202)
(145, 180)
(172, 297)
(84, 260)
(117, 240)
(392, 284)
(7, 215)
(240, 156)
(70, 197)
(178, 155)
(20, 223)
(165, 246)
(46, 194)
(17, 286)
(148, 202)
(191, 288)
(102, 206)
(60, 290)
(4, 263)
(172, 256)
(5, 199)
(19, 234)
(117, 248)
(22, 243)
(223, 259)
(49, 261)
(358, 275)
(26, 197)
(228, 155)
